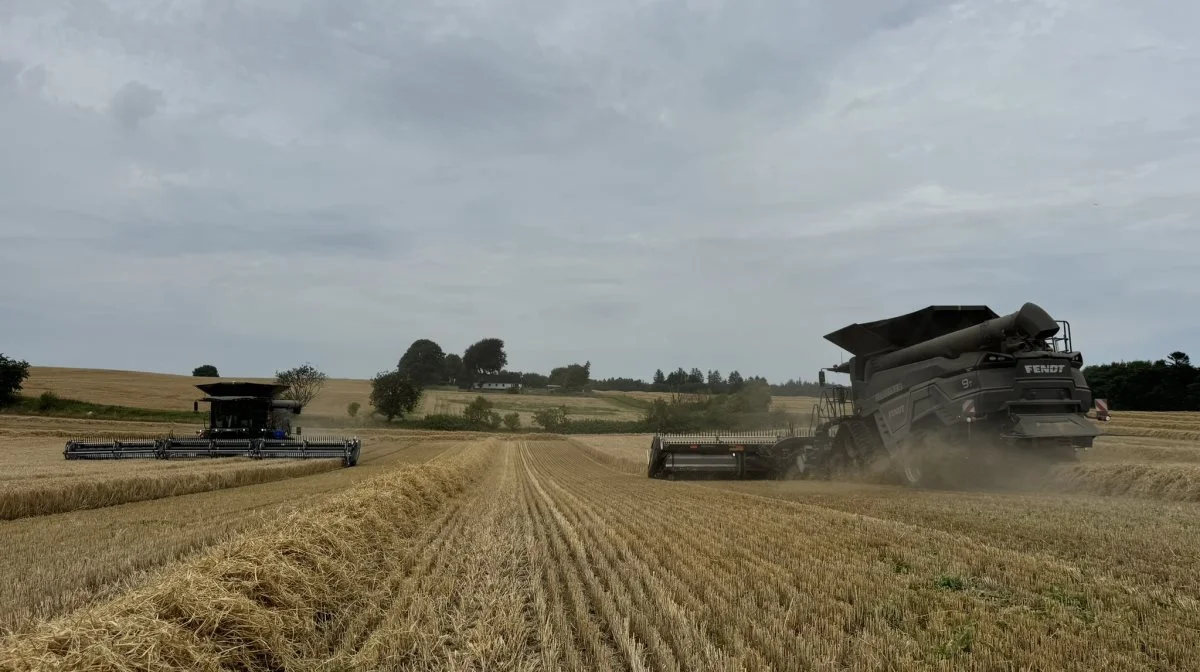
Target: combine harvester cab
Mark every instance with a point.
(245, 420)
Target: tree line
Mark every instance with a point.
(1169, 384)
(396, 392)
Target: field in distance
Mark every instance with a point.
(170, 392)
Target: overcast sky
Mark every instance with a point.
(639, 184)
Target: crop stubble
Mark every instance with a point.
(546, 559)
(794, 586)
(55, 563)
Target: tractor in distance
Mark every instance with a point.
(244, 420)
(938, 385)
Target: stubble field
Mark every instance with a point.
(527, 552)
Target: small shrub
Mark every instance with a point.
(48, 401)
(512, 421)
(352, 409)
(551, 418)
(479, 411)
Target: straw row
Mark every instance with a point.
(267, 601)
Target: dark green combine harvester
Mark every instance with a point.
(940, 380)
(244, 420)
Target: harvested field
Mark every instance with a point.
(531, 555)
(1183, 426)
(36, 480)
(51, 564)
(1118, 465)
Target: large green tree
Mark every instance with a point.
(13, 373)
(485, 356)
(424, 362)
(659, 382)
(394, 394)
(735, 382)
(453, 366)
(572, 376)
(206, 371)
(534, 380)
(304, 383)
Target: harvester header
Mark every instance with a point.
(244, 420)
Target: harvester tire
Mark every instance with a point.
(800, 469)
(908, 463)
(928, 458)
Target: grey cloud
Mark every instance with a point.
(9, 75)
(34, 78)
(644, 185)
(315, 234)
(134, 102)
(592, 310)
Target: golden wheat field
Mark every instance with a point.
(470, 551)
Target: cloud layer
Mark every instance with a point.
(640, 184)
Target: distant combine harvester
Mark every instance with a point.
(244, 420)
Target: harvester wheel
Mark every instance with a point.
(908, 458)
(910, 467)
(929, 458)
(797, 468)
(840, 461)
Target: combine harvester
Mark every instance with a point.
(921, 385)
(244, 420)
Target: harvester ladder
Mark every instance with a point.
(833, 405)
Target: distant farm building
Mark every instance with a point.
(488, 384)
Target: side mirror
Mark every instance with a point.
(195, 407)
